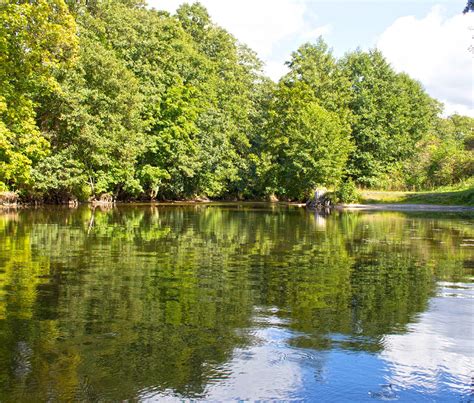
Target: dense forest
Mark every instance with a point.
(109, 97)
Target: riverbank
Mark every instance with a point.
(440, 200)
(406, 207)
(167, 203)
(448, 197)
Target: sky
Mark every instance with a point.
(429, 40)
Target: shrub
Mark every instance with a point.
(347, 192)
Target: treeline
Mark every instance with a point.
(102, 97)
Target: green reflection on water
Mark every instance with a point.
(101, 304)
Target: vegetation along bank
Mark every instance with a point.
(111, 99)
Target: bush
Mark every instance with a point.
(347, 192)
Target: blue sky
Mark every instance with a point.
(359, 23)
(427, 39)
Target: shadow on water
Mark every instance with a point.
(153, 302)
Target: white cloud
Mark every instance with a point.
(265, 25)
(438, 345)
(267, 358)
(276, 69)
(435, 51)
(317, 32)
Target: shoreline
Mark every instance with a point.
(340, 207)
(166, 203)
(405, 207)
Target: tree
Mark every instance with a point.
(36, 39)
(444, 157)
(95, 120)
(391, 112)
(308, 143)
(315, 65)
(100, 96)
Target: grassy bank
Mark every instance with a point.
(459, 196)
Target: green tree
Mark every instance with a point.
(308, 143)
(231, 88)
(392, 113)
(445, 157)
(101, 96)
(95, 121)
(36, 39)
(315, 66)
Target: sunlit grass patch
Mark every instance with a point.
(445, 196)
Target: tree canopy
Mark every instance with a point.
(111, 97)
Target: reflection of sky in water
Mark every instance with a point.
(432, 362)
(437, 352)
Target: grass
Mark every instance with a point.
(449, 196)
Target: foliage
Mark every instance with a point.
(36, 38)
(59, 178)
(95, 121)
(111, 97)
(315, 66)
(308, 144)
(347, 192)
(445, 156)
(391, 114)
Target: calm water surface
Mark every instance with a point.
(223, 302)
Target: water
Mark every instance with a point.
(224, 302)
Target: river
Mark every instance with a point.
(235, 301)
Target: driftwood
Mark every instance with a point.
(104, 200)
(272, 199)
(8, 198)
(320, 200)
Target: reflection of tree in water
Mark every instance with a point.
(155, 297)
